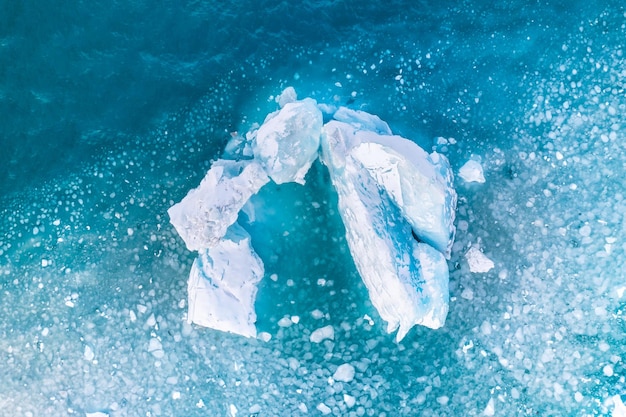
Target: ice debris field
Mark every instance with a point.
(293, 215)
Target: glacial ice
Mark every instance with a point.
(396, 201)
(419, 184)
(204, 215)
(388, 258)
(223, 284)
(287, 143)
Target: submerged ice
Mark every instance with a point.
(396, 201)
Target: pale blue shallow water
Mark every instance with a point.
(111, 111)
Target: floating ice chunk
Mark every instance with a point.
(619, 409)
(96, 414)
(287, 96)
(88, 353)
(407, 281)
(323, 333)
(362, 120)
(324, 409)
(287, 143)
(204, 215)
(472, 171)
(344, 373)
(478, 261)
(349, 400)
(418, 183)
(490, 408)
(223, 285)
(155, 347)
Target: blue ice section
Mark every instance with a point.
(111, 111)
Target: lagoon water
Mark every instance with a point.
(111, 111)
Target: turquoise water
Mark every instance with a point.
(112, 111)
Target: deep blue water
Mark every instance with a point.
(111, 111)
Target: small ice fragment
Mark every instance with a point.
(477, 260)
(176, 395)
(344, 373)
(96, 414)
(285, 322)
(324, 409)
(287, 96)
(265, 336)
(326, 332)
(585, 230)
(89, 355)
(467, 294)
(317, 314)
(490, 409)
(44, 263)
(156, 348)
(619, 409)
(349, 400)
(233, 410)
(472, 171)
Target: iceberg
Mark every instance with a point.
(287, 142)
(419, 184)
(388, 258)
(396, 201)
(205, 214)
(223, 285)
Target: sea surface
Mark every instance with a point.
(110, 111)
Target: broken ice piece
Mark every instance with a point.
(223, 285)
(204, 215)
(472, 171)
(407, 280)
(287, 143)
(478, 261)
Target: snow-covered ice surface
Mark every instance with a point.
(113, 111)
